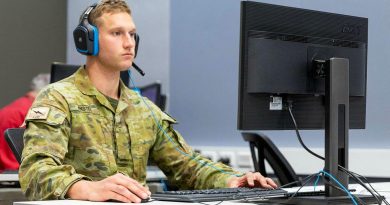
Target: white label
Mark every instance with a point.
(276, 103)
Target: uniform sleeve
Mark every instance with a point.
(42, 173)
(183, 167)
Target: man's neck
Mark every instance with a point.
(104, 79)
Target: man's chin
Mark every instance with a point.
(126, 67)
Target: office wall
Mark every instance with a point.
(192, 45)
(32, 35)
(204, 71)
(152, 21)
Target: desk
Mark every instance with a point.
(153, 174)
(75, 202)
(9, 193)
(9, 178)
(382, 188)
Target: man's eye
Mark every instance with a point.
(132, 34)
(116, 33)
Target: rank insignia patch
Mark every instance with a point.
(38, 113)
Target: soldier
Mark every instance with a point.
(89, 137)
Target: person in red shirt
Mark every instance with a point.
(12, 116)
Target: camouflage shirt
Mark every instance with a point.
(73, 133)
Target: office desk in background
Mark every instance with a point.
(9, 189)
(9, 177)
(153, 174)
(382, 188)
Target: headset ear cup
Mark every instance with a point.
(136, 38)
(95, 41)
(86, 35)
(86, 39)
(80, 36)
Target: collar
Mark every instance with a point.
(84, 84)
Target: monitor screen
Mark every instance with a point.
(152, 92)
(278, 46)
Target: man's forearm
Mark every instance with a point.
(41, 178)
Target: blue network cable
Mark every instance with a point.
(316, 182)
(137, 90)
(340, 185)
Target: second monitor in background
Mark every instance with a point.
(153, 93)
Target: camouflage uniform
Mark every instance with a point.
(73, 133)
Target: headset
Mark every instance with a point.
(86, 35)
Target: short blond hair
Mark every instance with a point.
(107, 6)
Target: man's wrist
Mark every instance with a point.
(78, 190)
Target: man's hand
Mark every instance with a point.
(117, 187)
(251, 179)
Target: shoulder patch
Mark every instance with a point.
(38, 113)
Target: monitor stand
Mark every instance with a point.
(336, 135)
(336, 122)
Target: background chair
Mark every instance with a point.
(266, 150)
(14, 138)
(60, 71)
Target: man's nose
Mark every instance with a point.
(129, 41)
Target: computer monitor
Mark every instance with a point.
(60, 71)
(285, 58)
(153, 93)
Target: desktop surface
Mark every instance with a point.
(383, 188)
(76, 202)
(153, 173)
(11, 177)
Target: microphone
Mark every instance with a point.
(138, 69)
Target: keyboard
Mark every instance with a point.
(224, 194)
